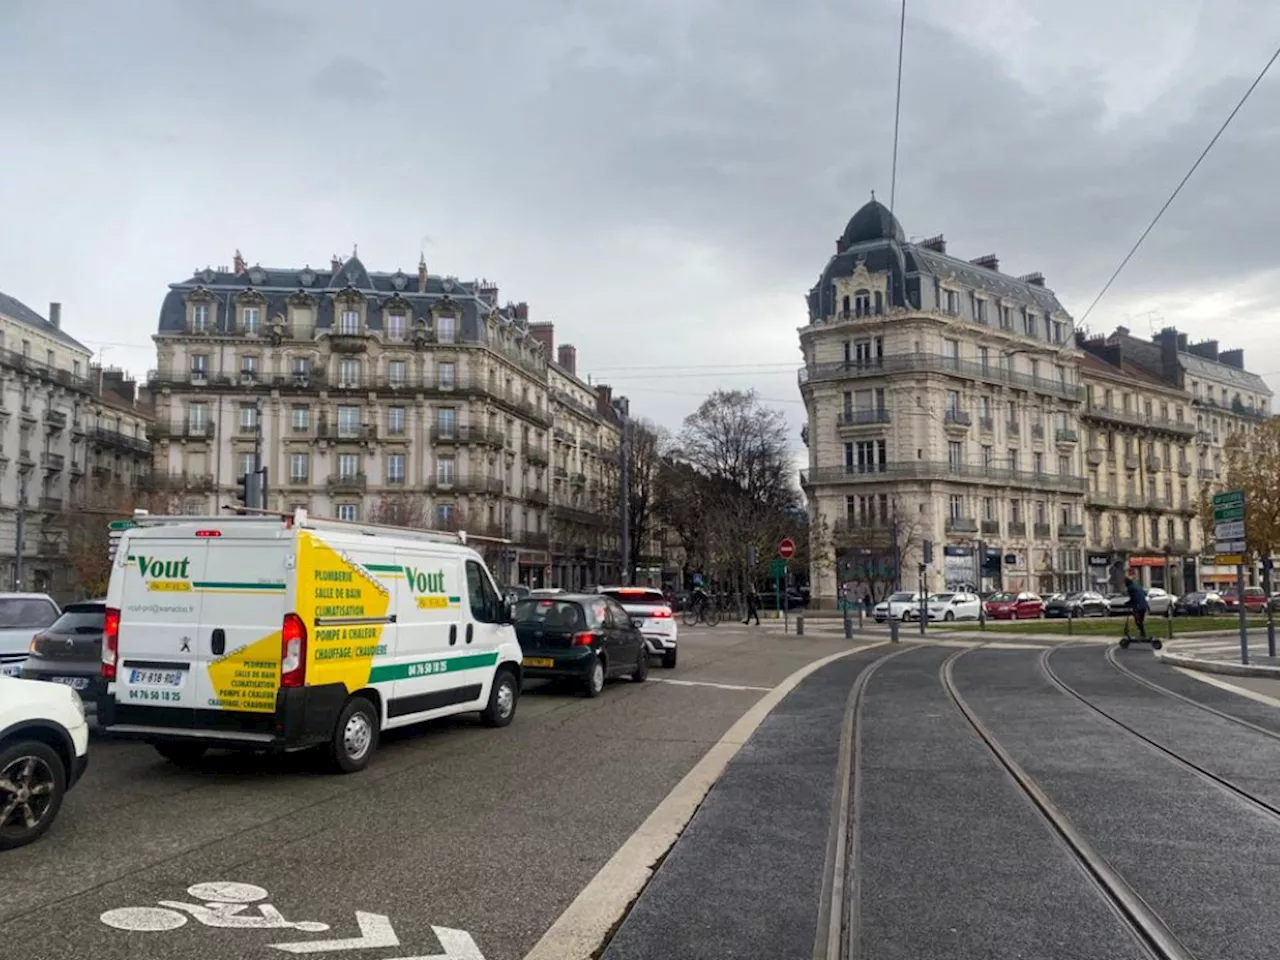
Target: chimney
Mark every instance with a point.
(1207, 349)
(335, 264)
(240, 265)
(604, 398)
(1122, 331)
(934, 243)
(568, 358)
(422, 274)
(545, 334)
(55, 315)
(1182, 342)
(522, 311)
(1035, 279)
(1170, 369)
(1232, 358)
(488, 292)
(989, 261)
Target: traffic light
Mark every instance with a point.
(928, 551)
(242, 489)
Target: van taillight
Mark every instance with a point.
(110, 643)
(293, 651)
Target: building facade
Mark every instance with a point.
(73, 448)
(385, 397)
(943, 407)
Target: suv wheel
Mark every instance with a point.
(33, 780)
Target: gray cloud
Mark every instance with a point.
(664, 179)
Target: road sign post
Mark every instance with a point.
(1231, 548)
(786, 550)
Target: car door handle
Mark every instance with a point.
(469, 629)
(453, 634)
(218, 642)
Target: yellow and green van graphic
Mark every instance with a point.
(428, 589)
(173, 575)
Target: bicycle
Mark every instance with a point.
(704, 611)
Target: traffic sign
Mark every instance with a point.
(777, 569)
(121, 525)
(1230, 542)
(787, 548)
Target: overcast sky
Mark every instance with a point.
(662, 178)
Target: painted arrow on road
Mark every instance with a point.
(375, 932)
(457, 944)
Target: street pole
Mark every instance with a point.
(1244, 623)
(924, 602)
(897, 553)
(257, 488)
(20, 531)
(624, 471)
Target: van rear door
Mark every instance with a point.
(159, 619)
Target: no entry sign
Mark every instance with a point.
(787, 548)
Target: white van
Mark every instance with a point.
(277, 632)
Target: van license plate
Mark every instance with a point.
(75, 683)
(538, 662)
(155, 678)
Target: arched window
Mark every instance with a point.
(862, 303)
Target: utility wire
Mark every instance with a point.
(1182, 183)
(897, 108)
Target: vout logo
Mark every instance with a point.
(428, 588)
(165, 574)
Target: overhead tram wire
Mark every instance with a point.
(897, 109)
(1178, 189)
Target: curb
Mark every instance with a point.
(1225, 667)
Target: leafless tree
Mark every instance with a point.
(400, 510)
(645, 443)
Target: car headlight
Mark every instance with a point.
(76, 702)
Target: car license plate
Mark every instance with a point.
(538, 662)
(75, 683)
(10, 669)
(156, 678)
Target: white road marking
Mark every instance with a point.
(1225, 685)
(375, 932)
(581, 929)
(706, 683)
(457, 944)
(143, 919)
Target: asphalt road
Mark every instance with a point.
(453, 826)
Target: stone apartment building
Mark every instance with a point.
(73, 447)
(943, 403)
(394, 397)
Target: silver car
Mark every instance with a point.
(22, 616)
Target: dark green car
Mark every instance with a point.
(586, 638)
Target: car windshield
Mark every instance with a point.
(26, 612)
(636, 597)
(1078, 596)
(942, 598)
(901, 598)
(80, 618)
(550, 614)
(1001, 597)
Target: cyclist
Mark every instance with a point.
(699, 599)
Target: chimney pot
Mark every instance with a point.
(55, 315)
(545, 334)
(1036, 279)
(422, 274)
(989, 260)
(336, 263)
(522, 311)
(568, 358)
(937, 243)
(240, 265)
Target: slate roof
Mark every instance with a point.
(16, 310)
(873, 234)
(1127, 371)
(278, 284)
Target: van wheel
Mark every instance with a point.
(34, 780)
(593, 683)
(669, 660)
(503, 697)
(181, 754)
(355, 736)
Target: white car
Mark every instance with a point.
(650, 611)
(22, 616)
(897, 606)
(1159, 601)
(954, 606)
(44, 748)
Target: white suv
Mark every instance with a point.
(44, 749)
(651, 612)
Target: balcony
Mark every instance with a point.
(578, 479)
(1094, 457)
(538, 497)
(868, 530)
(55, 420)
(941, 470)
(347, 484)
(1066, 435)
(51, 504)
(1017, 528)
(986, 424)
(1070, 531)
(492, 486)
(1184, 468)
(346, 432)
(122, 441)
(912, 363)
(563, 436)
(852, 419)
(957, 420)
(53, 462)
(961, 525)
(1123, 544)
(1013, 428)
(1205, 475)
(18, 361)
(179, 482)
(1153, 464)
(186, 430)
(534, 541)
(1132, 418)
(1158, 504)
(536, 454)
(468, 434)
(1037, 431)
(579, 515)
(348, 342)
(1131, 461)
(560, 473)
(1042, 531)
(1177, 547)
(991, 528)
(1103, 498)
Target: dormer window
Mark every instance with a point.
(1006, 317)
(844, 306)
(397, 324)
(349, 323)
(446, 329)
(980, 310)
(1029, 323)
(862, 303)
(200, 318)
(252, 321)
(951, 302)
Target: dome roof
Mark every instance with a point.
(872, 222)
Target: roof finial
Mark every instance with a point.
(355, 251)
(873, 196)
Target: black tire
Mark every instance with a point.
(641, 672)
(1124, 643)
(1156, 644)
(593, 682)
(355, 736)
(690, 616)
(181, 754)
(669, 659)
(504, 695)
(40, 768)
(949, 616)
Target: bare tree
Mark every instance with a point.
(645, 442)
(400, 510)
(1253, 467)
(868, 556)
(88, 524)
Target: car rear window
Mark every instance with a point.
(942, 597)
(550, 614)
(901, 597)
(80, 618)
(1001, 597)
(637, 598)
(26, 612)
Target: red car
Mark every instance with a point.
(1255, 600)
(1014, 606)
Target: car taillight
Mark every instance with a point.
(110, 643)
(583, 639)
(34, 646)
(293, 651)
(662, 613)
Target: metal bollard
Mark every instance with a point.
(799, 626)
(1271, 631)
(1071, 621)
(1168, 616)
(848, 626)
(893, 630)
(982, 618)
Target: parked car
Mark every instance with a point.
(896, 606)
(952, 606)
(21, 615)
(1255, 600)
(586, 638)
(69, 651)
(1199, 603)
(1160, 602)
(650, 612)
(1085, 603)
(44, 749)
(1014, 606)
